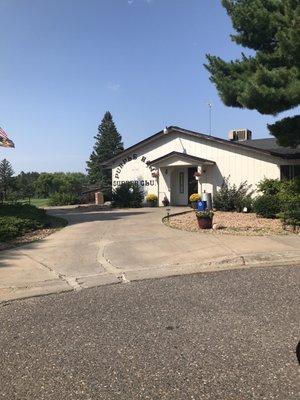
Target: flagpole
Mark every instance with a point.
(210, 117)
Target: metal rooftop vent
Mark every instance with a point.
(237, 135)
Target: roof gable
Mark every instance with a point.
(275, 151)
(182, 156)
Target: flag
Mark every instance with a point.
(4, 140)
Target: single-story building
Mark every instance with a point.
(176, 162)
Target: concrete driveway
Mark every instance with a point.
(103, 247)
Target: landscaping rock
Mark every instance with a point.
(231, 223)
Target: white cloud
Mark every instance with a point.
(113, 86)
(130, 2)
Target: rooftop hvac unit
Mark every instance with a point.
(239, 134)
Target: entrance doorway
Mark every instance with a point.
(192, 181)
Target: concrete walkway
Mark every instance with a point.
(103, 247)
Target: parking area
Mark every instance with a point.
(104, 247)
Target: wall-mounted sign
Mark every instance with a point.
(146, 182)
(125, 160)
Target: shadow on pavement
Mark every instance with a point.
(7, 257)
(81, 216)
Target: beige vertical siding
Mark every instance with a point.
(240, 164)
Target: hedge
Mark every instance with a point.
(17, 219)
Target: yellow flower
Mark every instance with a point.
(195, 197)
(151, 197)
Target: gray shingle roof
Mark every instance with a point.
(271, 145)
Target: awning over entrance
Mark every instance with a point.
(175, 158)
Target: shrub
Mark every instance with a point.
(151, 197)
(270, 187)
(290, 214)
(204, 214)
(279, 198)
(17, 219)
(128, 195)
(289, 190)
(11, 227)
(232, 197)
(22, 210)
(63, 199)
(266, 206)
(285, 190)
(8, 228)
(290, 217)
(194, 197)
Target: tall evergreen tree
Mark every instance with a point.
(108, 144)
(269, 81)
(6, 174)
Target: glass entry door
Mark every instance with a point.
(192, 181)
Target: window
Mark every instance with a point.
(181, 182)
(289, 171)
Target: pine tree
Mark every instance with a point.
(6, 173)
(269, 81)
(108, 144)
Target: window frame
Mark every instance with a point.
(181, 182)
(289, 171)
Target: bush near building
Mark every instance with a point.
(266, 206)
(128, 195)
(232, 197)
(279, 199)
(18, 219)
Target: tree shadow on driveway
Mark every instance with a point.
(80, 216)
(7, 257)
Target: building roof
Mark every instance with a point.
(188, 157)
(261, 146)
(270, 144)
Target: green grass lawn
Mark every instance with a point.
(36, 202)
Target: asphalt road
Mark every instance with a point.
(223, 335)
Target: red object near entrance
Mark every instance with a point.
(204, 222)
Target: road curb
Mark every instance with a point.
(258, 260)
(222, 264)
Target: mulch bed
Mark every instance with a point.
(230, 223)
(27, 238)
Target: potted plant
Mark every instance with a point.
(194, 198)
(197, 174)
(166, 201)
(204, 219)
(151, 199)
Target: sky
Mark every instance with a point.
(63, 63)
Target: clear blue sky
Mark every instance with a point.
(63, 63)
